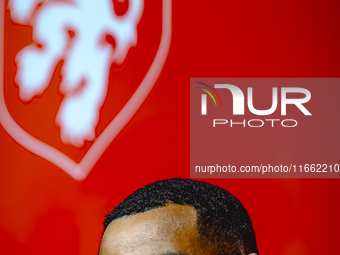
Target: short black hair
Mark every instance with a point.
(221, 218)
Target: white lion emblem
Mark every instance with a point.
(87, 56)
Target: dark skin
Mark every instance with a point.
(168, 230)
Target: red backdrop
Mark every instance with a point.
(43, 210)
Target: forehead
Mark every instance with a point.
(166, 230)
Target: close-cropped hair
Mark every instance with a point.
(221, 219)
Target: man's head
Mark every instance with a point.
(179, 216)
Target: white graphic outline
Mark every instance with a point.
(79, 171)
